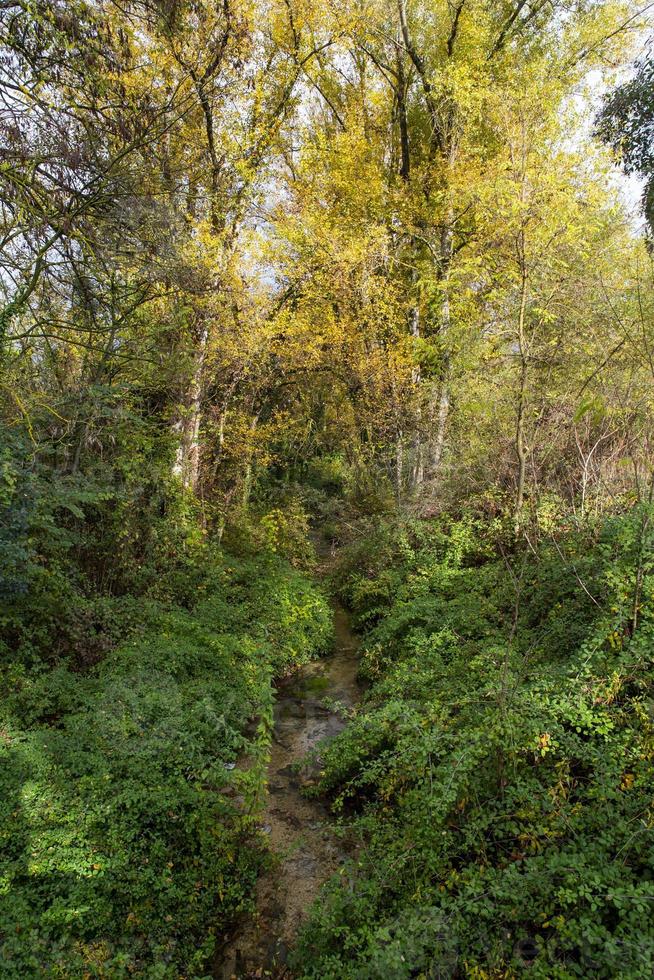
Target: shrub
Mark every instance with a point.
(123, 850)
(499, 771)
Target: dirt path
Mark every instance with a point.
(306, 848)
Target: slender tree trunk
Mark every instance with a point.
(418, 473)
(520, 446)
(247, 475)
(400, 94)
(399, 465)
(187, 427)
(441, 409)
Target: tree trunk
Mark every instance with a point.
(187, 459)
(440, 409)
(247, 474)
(400, 94)
(418, 472)
(399, 465)
(521, 449)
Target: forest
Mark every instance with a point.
(326, 489)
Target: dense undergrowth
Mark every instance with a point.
(122, 853)
(128, 840)
(499, 773)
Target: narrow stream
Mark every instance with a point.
(301, 835)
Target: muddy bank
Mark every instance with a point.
(302, 839)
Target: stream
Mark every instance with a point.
(307, 851)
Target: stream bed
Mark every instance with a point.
(307, 851)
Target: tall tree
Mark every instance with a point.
(626, 122)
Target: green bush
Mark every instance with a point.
(499, 773)
(123, 849)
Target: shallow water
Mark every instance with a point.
(307, 851)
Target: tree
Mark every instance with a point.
(626, 122)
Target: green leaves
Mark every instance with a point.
(121, 847)
(590, 405)
(498, 778)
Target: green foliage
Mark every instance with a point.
(499, 772)
(626, 122)
(230, 308)
(124, 849)
(79, 547)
